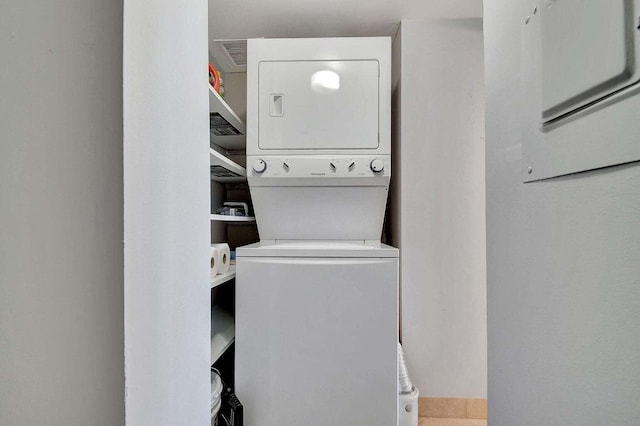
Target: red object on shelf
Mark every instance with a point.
(214, 78)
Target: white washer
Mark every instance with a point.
(316, 334)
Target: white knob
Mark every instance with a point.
(259, 166)
(376, 166)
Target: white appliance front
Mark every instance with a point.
(320, 213)
(319, 96)
(315, 105)
(316, 337)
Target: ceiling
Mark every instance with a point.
(241, 19)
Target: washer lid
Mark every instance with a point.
(328, 249)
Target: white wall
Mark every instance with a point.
(392, 233)
(442, 210)
(563, 268)
(236, 93)
(61, 276)
(166, 213)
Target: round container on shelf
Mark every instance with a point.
(214, 78)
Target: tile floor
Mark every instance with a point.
(432, 421)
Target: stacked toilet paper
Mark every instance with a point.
(216, 394)
(220, 258)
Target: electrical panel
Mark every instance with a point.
(580, 79)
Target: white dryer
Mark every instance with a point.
(319, 136)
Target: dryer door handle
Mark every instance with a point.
(276, 104)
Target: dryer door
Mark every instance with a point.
(318, 104)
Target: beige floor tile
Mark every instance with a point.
(443, 407)
(429, 421)
(476, 408)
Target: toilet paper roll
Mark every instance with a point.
(215, 261)
(224, 257)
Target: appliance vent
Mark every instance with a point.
(236, 50)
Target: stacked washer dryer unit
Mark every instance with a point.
(317, 297)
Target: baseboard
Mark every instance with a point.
(459, 408)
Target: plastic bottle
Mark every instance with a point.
(221, 90)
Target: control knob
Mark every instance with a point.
(376, 165)
(259, 166)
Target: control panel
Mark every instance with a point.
(299, 167)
